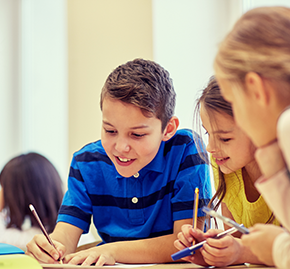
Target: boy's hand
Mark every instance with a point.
(100, 255)
(220, 252)
(40, 249)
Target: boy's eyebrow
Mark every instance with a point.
(142, 126)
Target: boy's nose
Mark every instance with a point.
(122, 145)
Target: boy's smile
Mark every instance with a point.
(130, 139)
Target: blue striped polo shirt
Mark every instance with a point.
(138, 207)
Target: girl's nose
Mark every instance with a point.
(211, 146)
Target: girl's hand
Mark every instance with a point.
(100, 255)
(260, 241)
(220, 252)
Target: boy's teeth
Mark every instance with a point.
(124, 159)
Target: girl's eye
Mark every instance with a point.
(225, 139)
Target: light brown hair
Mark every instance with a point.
(259, 42)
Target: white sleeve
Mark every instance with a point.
(15, 236)
(281, 251)
(276, 193)
(283, 133)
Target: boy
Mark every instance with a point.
(138, 181)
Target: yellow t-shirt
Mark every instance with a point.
(236, 201)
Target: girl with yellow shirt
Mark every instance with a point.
(235, 172)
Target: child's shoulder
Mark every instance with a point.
(183, 135)
(92, 147)
(183, 138)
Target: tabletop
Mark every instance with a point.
(154, 266)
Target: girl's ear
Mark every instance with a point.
(171, 128)
(257, 88)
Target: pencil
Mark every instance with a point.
(41, 226)
(195, 207)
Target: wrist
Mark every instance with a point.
(242, 256)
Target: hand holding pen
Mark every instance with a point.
(191, 250)
(31, 207)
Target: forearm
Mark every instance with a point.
(68, 235)
(152, 250)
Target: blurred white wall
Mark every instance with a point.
(9, 80)
(34, 80)
(186, 35)
(41, 81)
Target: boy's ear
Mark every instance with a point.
(171, 128)
(257, 88)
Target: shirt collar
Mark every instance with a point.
(156, 165)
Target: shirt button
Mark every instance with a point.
(134, 200)
(136, 175)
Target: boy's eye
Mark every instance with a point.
(138, 135)
(110, 131)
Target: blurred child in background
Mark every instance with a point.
(28, 179)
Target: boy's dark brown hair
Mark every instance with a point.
(31, 179)
(145, 84)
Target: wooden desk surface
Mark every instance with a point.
(155, 266)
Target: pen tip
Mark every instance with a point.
(31, 207)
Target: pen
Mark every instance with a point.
(230, 222)
(42, 226)
(195, 207)
(191, 250)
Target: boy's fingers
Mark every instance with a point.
(185, 240)
(198, 235)
(179, 245)
(41, 250)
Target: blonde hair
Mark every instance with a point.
(260, 43)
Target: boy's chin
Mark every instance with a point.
(126, 174)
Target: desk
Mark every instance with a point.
(155, 266)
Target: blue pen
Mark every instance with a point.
(191, 250)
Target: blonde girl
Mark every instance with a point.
(252, 67)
